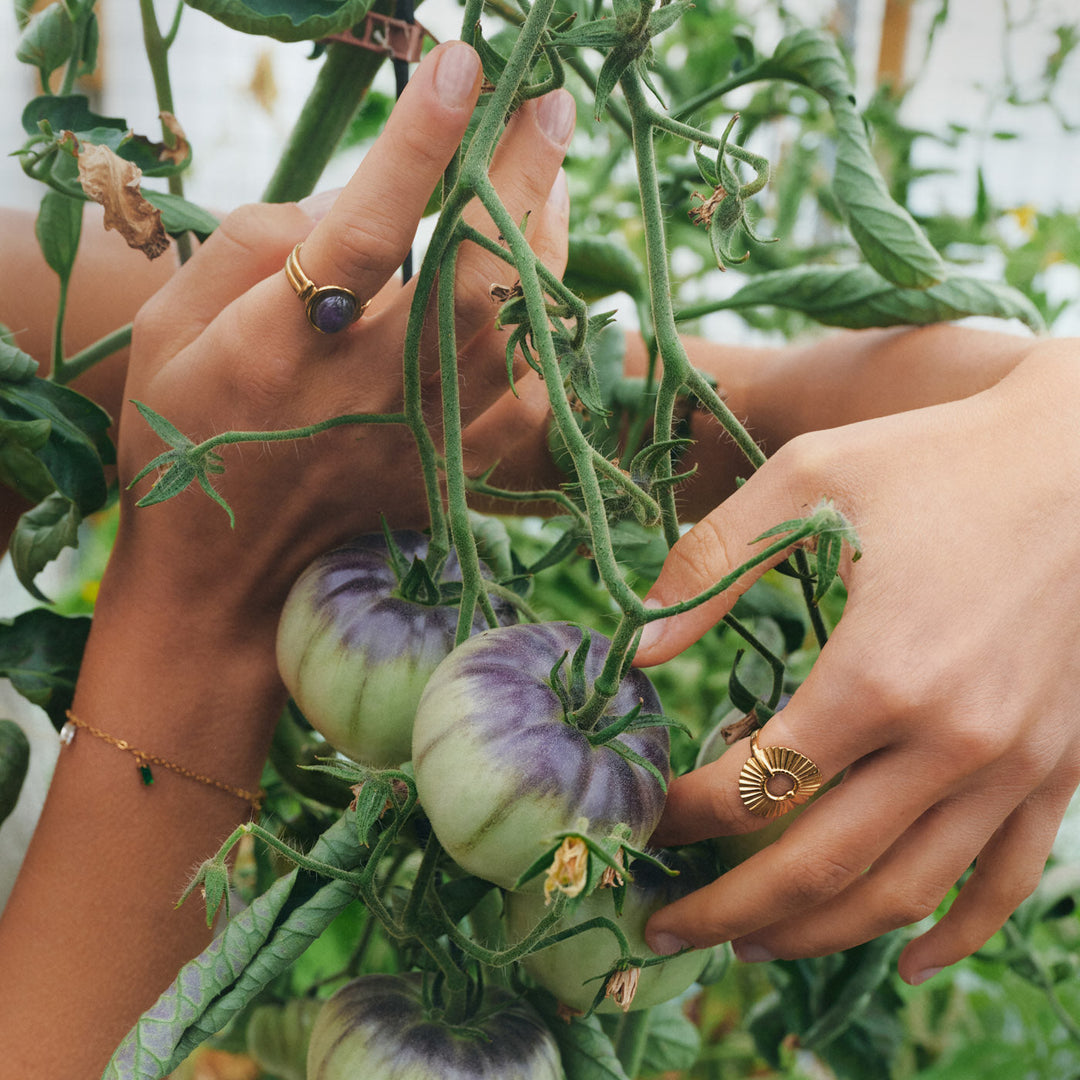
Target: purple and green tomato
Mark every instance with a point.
(378, 1027)
(355, 657)
(500, 770)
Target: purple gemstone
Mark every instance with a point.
(333, 312)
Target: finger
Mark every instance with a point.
(1006, 873)
(523, 171)
(366, 235)
(824, 852)
(787, 486)
(249, 245)
(906, 885)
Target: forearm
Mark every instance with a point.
(92, 916)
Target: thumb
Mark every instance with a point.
(716, 546)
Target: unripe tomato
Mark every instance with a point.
(501, 772)
(377, 1027)
(278, 1036)
(570, 968)
(355, 657)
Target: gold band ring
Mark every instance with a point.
(775, 779)
(329, 308)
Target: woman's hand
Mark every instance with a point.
(226, 345)
(949, 693)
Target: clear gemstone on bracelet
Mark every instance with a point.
(67, 733)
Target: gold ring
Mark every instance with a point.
(775, 779)
(329, 308)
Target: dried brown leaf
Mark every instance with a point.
(114, 182)
(179, 153)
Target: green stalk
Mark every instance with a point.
(340, 86)
(157, 53)
(472, 583)
(93, 354)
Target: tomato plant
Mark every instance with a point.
(528, 738)
(501, 767)
(384, 1027)
(355, 652)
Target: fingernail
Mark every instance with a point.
(922, 976)
(317, 206)
(559, 195)
(750, 953)
(555, 115)
(653, 632)
(664, 944)
(456, 75)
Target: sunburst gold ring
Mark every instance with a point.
(776, 779)
(329, 308)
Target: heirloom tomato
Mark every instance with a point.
(379, 1027)
(574, 968)
(355, 656)
(278, 1036)
(501, 769)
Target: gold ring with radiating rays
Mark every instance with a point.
(775, 779)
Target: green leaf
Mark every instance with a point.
(40, 535)
(286, 20)
(20, 468)
(673, 1042)
(598, 267)
(857, 297)
(14, 760)
(888, 235)
(261, 943)
(70, 112)
(584, 1047)
(180, 216)
(48, 40)
(40, 652)
(78, 446)
(15, 365)
(58, 225)
(24, 9)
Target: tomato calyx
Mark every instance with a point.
(577, 864)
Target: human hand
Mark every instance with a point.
(226, 345)
(948, 691)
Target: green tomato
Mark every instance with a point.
(278, 1037)
(379, 1027)
(574, 968)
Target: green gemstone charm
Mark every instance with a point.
(147, 774)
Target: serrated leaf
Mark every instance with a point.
(40, 652)
(857, 297)
(259, 944)
(286, 20)
(40, 534)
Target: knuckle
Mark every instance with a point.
(821, 875)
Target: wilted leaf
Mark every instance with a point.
(180, 151)
(110, 180)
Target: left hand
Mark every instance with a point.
(948, 695)
(225, 345)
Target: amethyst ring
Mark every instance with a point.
(329, 308)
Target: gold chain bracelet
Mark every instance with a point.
(144, 760)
